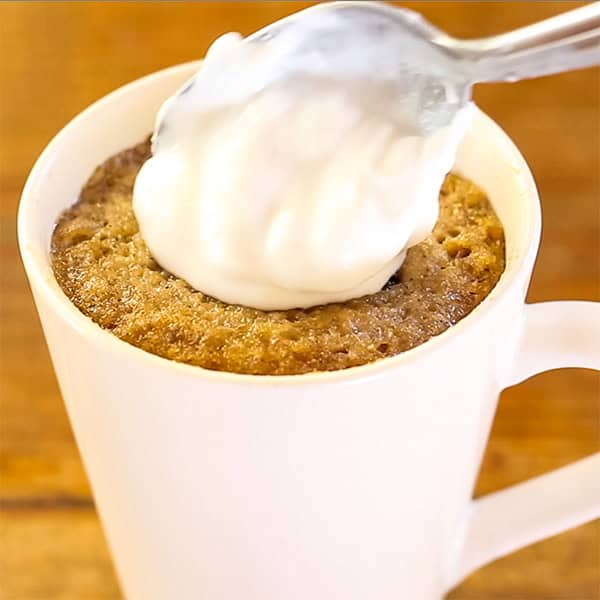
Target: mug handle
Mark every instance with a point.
(555, 335)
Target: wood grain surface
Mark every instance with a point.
(55, 59)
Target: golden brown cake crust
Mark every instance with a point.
(104, 267)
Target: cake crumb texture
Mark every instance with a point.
(104, 267)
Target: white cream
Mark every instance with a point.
(279, 188)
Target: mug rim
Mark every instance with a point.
(53, 295)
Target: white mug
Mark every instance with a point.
(349, 485)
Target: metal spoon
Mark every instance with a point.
(432, 73)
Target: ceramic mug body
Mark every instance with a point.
(347, 485)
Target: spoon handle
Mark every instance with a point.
(566, 42)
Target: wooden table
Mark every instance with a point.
(56, 58)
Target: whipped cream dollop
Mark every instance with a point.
(281, 181)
